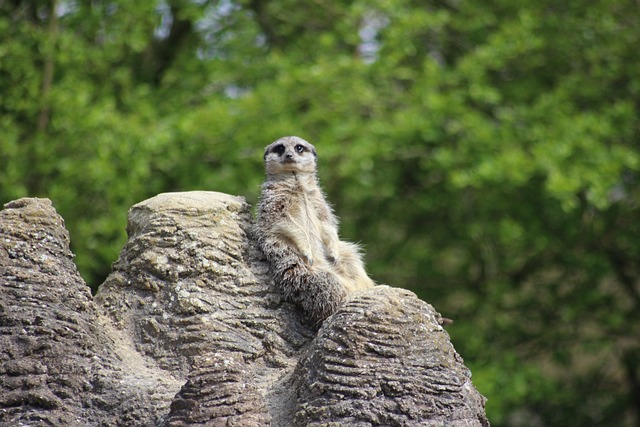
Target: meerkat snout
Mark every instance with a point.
(288, 157)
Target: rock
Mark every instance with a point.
(188, 330)
(384, 359)
(60, 361)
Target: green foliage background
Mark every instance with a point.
(487, 153)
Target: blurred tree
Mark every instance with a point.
(487, 153)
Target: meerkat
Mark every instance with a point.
(298, 233)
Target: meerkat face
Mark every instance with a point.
(290, 154)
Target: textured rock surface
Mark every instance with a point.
(187, 330)
(383, 359)
(61, 363)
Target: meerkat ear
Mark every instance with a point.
(313, 150)
(266, 151)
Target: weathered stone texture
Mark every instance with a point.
(187, 330)
(60, 362)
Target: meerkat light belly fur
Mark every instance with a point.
(298, 233)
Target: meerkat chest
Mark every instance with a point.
(306, 213)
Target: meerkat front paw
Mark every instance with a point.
(332, 257)
(332, 251)
(307, 258)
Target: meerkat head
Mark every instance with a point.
(290, 154)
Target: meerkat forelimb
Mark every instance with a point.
(298, 233)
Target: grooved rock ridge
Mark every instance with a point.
(187, 330)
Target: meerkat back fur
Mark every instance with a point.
(298, 233)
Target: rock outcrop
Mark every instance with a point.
(187, 330)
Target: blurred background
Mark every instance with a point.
(486, 153)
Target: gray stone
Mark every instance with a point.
(188, 330)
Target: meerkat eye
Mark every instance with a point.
(278, 149)
(299, 148)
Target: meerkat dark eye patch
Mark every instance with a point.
(278, 149)
(299, 148)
